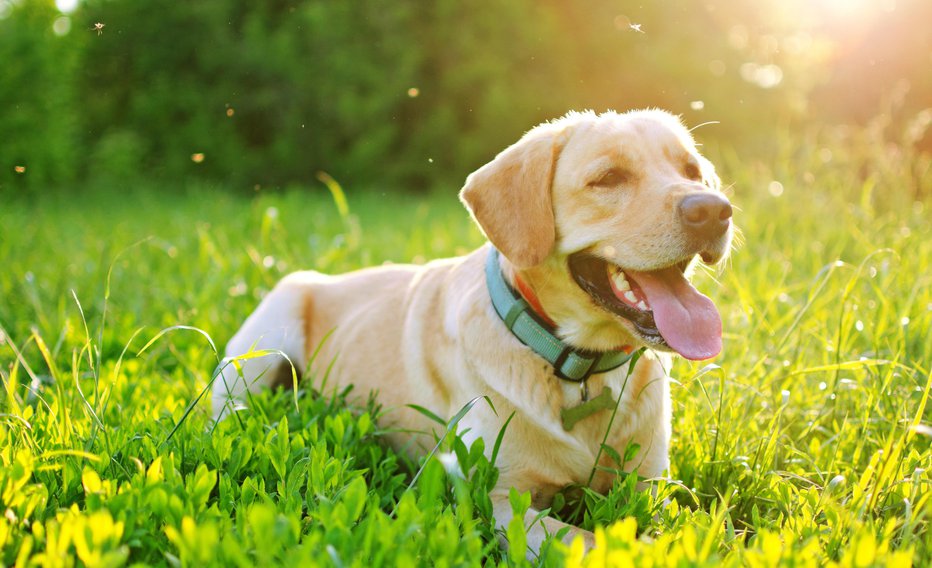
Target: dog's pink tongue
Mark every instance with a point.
(688, 320)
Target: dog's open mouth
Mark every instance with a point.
(666, 310)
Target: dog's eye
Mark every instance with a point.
(691, 171)
(612, 178)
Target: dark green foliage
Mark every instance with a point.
(270, 93)
(38, 99)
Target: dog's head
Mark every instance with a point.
(604, 215)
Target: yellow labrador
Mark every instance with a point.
(594, 222)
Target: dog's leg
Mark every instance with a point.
(539, 530)
(277, 324)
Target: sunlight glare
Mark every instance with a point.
(66, 6)
(849, 8)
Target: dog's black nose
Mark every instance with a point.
(705, 215)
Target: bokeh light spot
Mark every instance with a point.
(764, 76)
(61, 26)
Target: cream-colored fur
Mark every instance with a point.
(428, 335)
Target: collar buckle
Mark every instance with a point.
(579, 356)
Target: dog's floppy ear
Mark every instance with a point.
(510, 199)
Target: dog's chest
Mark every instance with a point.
(630, 436)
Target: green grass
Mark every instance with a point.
(806, 442)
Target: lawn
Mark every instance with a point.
(806, 442)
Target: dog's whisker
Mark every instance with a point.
(706, 123)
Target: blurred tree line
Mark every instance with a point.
(413, 94)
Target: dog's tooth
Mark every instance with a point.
(619, 280)
(616, 281)
(629, 295)
(642, 306)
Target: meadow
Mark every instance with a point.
(805, 443)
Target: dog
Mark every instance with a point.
(594, 223)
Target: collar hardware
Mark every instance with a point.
(585, 370)
(569, 363)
